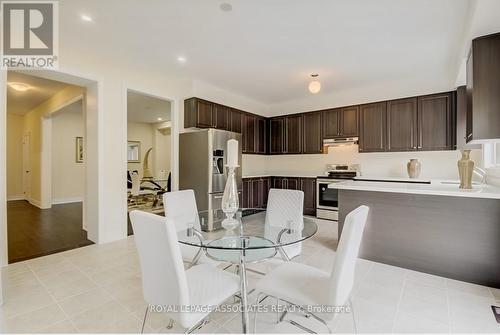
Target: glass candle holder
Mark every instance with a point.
(230, 200)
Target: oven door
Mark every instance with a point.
(328, 198)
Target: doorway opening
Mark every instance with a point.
(45, 166)
(149, 152)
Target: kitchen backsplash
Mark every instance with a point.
(435, 164)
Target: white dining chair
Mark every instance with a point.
(180, 207)
(166, 283)
(285, 210)
(302, 285)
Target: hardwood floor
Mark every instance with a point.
(34, 232)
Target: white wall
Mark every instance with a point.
(68, 176)
(112, 128)
(3, 175)
(435, 164)
(15, 125)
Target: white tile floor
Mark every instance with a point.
(97, 289)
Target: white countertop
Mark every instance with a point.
(436, 187)
(286, 175)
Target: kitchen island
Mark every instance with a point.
(435, 228)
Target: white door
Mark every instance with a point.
(26, 167)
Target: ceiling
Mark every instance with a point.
(146, 109)
(266, 50)
(40, 90)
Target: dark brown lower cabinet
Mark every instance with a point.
(308, 186)
(255, 192)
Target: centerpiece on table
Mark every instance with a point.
(230, 199)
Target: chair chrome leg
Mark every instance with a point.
(197, 326)
(277, 311)
(256, 313)
(144, 321)
(305, 313)
(353, 318)
(298, 325)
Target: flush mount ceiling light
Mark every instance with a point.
(181, 59)
(21, 87)
(314, 85)
(86, 18)
(226, 7)
(159, 119)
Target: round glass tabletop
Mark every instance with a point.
(256, 231)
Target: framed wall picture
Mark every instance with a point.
(79, 149)
(134, 151)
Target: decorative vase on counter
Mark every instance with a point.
(465, 168)
(413, 167)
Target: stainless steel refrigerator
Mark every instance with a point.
(202, 168)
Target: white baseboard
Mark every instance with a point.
(35, 203)
(15, 197)
(66, 200)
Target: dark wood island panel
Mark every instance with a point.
(454, 237)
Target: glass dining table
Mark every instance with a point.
(255, 239)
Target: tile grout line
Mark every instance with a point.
(399, 302)
(450, 325)
(55, 300)
(114, 300)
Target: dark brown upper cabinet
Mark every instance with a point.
(198, 113)
(349, 121)
(235, 120)
(221, 115)
(248, 134)
(293, 134)
(462, 117)
(331, 123)
(341, 122)
(372, 127)
(311, 133)
(402, 125)
(435, 122)
(483, 89)
(260, 135)
(276, 135)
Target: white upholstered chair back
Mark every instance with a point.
(163, 276)
(180, 207)
(284, 207)
(342, 275)
(136, 184)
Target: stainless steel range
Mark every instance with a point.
(327, 198)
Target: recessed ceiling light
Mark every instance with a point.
(226, 7)
(21, 87)
(181, 59)
(86, 18)
(159, 119)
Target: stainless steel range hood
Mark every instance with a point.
(339, 142)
